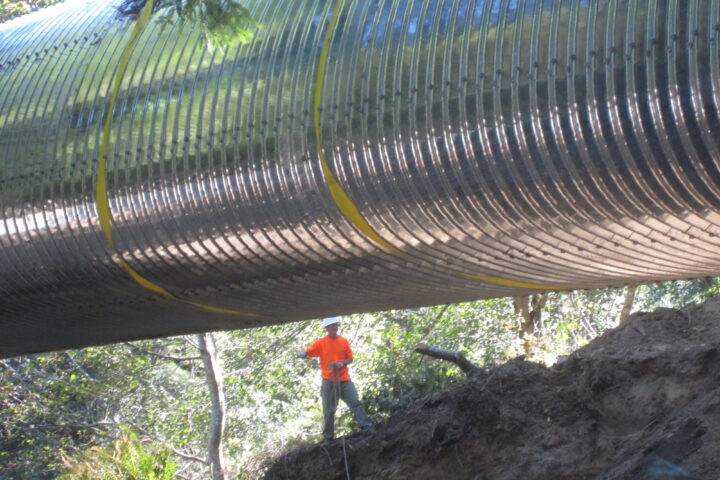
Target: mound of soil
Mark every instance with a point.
(640, 402)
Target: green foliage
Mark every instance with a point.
(222, 23)
(127, 458)
(59, 402)
(674, 294)
(571, 319)
(45, 401)
(68, 405)
(392, 374)
(12, 8)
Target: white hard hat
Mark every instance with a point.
(330, 320)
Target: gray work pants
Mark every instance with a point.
(346, 390)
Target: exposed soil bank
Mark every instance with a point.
(640, 402)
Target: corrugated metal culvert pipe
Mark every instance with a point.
(356, 155)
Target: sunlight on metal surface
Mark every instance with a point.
(353, 156)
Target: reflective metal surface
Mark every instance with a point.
(354, 156)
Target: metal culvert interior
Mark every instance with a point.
(353, 156)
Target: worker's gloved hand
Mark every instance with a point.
(337, 365)
(301, 354)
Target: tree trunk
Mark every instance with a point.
(214, 380)
(629, 299)
(528, 308)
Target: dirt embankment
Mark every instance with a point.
(640, 402)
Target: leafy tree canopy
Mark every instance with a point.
(14, 8)
(222, 22)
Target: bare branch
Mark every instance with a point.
(191, 341)
(8, 366)
(78, 366)
(160, 355)
(185, 455)
(174, 359)
(437, 318)
(62, 426)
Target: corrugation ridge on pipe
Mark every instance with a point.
(351, 156)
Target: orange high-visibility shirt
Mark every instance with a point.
(331, 350)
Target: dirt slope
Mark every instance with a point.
(640, 402)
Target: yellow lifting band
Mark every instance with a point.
(512, 283)
(343, 201)
(101, 196)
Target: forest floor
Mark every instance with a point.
(641, 401)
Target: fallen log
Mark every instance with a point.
(450, 355)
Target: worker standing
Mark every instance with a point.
(335, 355)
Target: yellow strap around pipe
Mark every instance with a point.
(343, 201)
(101, 196)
